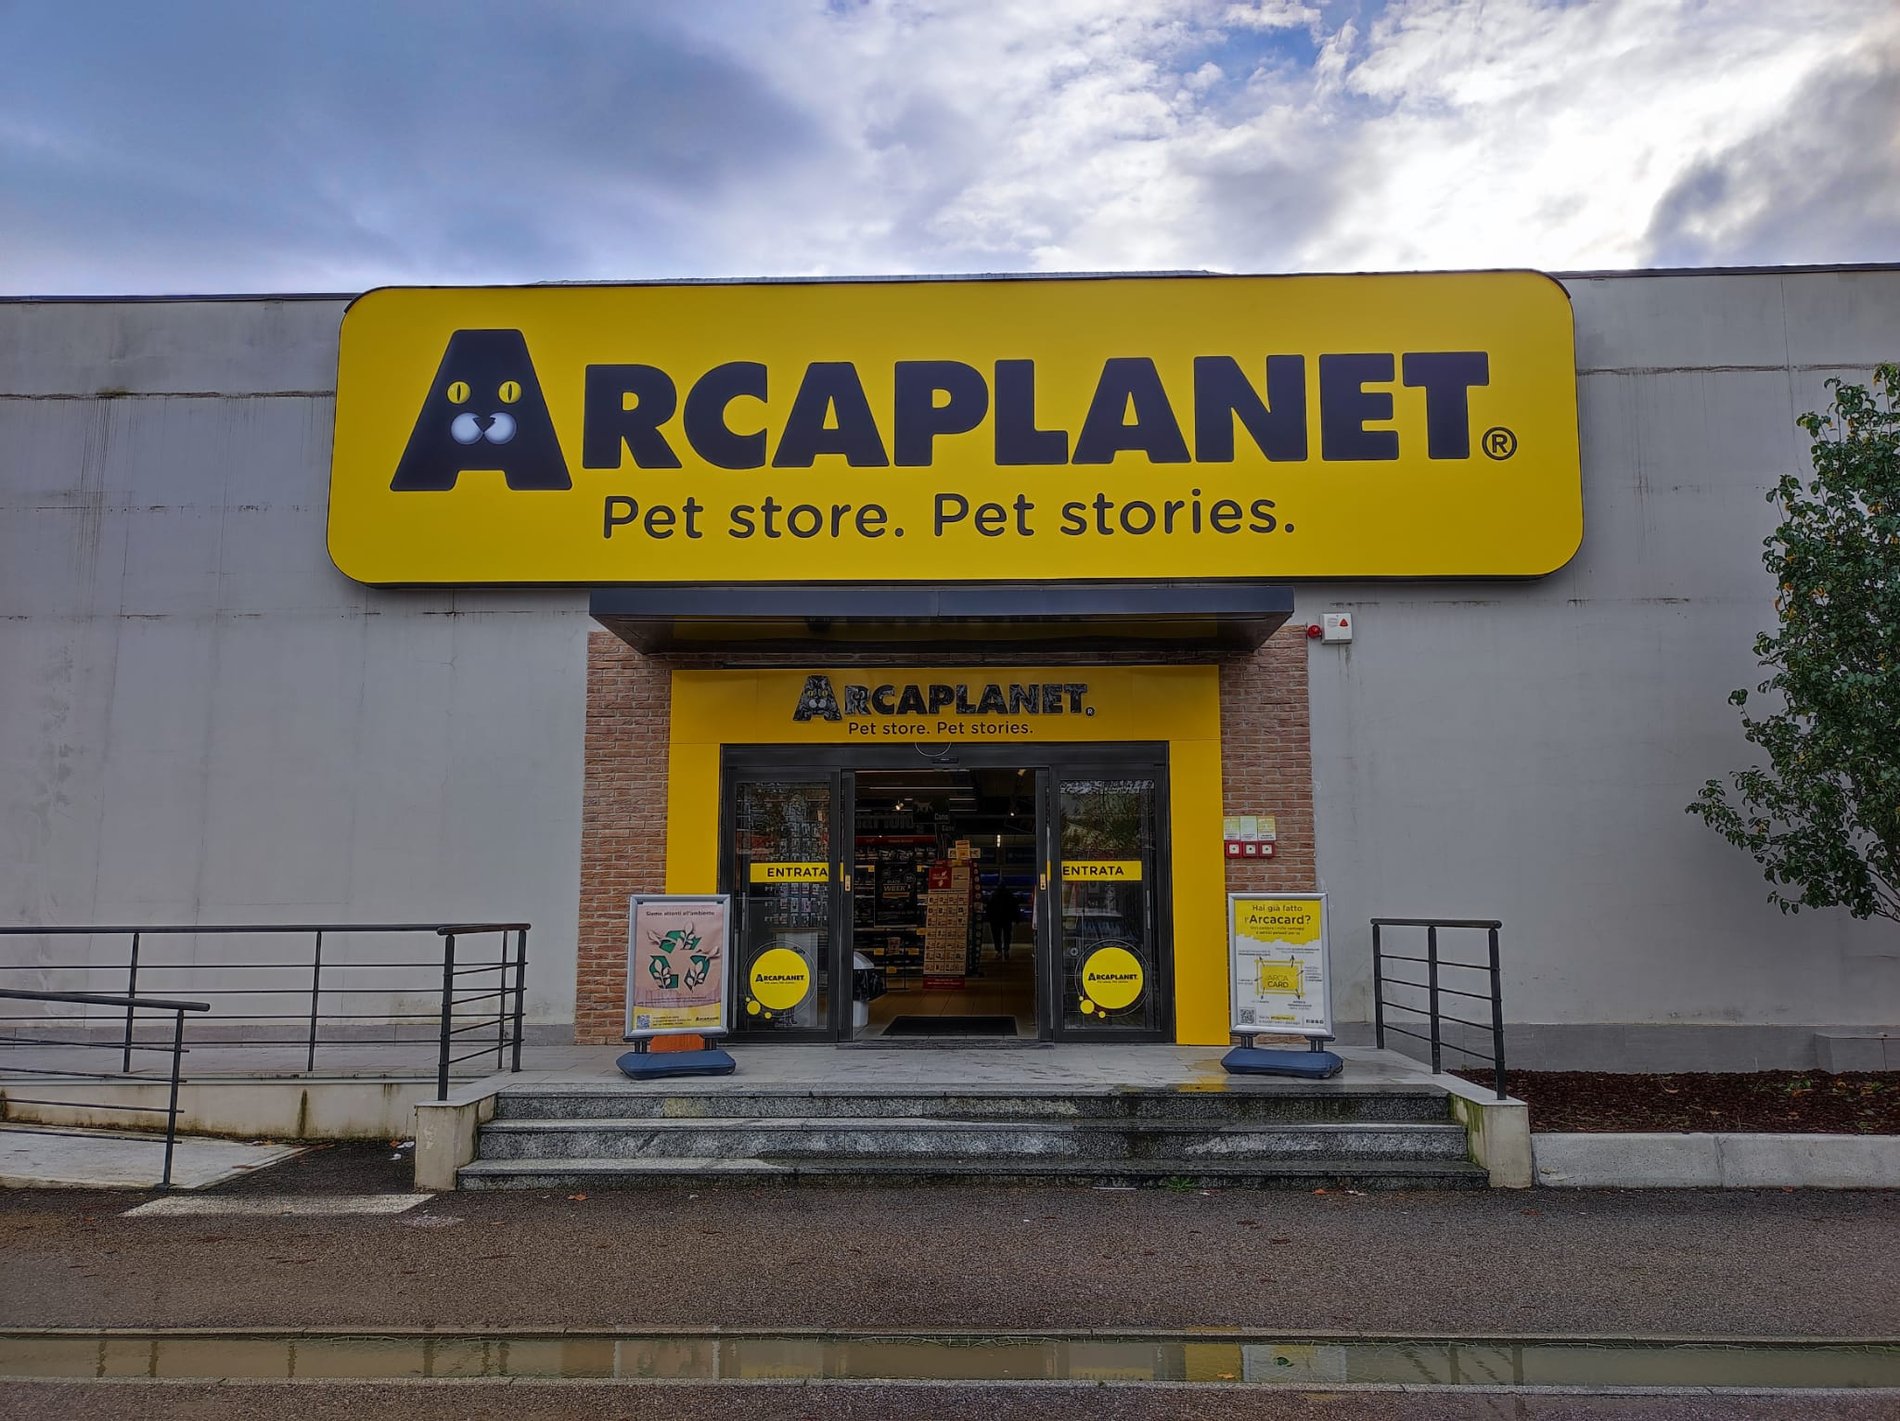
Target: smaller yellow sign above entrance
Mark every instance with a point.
(1101, 871)
(790, 873)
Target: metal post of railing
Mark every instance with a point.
(1378, 991)
(1497, 1017)
(1431, 978)
(131, 990)
(521, 990)
(171, 1108)
(501, 1001)
(448, 1005)
(316, 979)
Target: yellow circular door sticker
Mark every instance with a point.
(780, 979)
(1112, 978)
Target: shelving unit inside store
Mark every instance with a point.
(887, 902)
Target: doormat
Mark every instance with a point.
(952, 1026)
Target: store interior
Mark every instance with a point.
(932, 848)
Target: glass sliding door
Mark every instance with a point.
(782, 873)
(1111, 968)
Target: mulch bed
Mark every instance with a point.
(1787, 1102)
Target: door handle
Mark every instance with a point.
(847, 883)
(1042, 884)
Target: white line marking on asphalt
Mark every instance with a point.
(197, 1205)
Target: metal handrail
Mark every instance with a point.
(131, 1004)
(200, 929)
(1434, 990)
(507, 993)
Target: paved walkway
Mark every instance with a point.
(45, 1157)
(1680, 1262)
(1684, 1264)
(1082, 1067)
(912, 1063)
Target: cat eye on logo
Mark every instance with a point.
(484, 414)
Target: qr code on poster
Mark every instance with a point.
(1246, 1016)
(642, 1023)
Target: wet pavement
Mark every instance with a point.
(1207, 1358)
(1499, 1263)
(1692, 1265)
(846, 1401)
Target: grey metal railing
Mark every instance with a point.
(131, 1005)
(1436, 965)
(368, 1001)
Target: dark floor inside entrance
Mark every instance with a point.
(940, 854)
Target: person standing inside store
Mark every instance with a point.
(1002, 913)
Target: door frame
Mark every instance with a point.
(1051, 759)
(1049, 817)
(837, 893)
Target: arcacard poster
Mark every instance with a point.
(676, 966)
(1277, 964)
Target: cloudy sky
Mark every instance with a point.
(199, 145)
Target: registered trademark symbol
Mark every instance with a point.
(1088, 710)
(1498, 442)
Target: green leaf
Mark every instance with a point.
(1822, 816)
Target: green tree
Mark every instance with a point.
(1823, 817)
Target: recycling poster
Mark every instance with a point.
(676, 966)
(1277, 965)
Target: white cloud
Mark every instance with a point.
(767, 137)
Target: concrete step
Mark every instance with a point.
(1239, 1102)
(791, 1138)
(560, 1174)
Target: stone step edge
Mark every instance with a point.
(1246, 1088)
(661, 1167)
(511, 1125)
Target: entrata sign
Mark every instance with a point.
(933, 431)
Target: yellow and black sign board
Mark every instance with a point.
(1101, 871)
(790, 872)
(778, 981)
(1314, 426)
(1112, 980)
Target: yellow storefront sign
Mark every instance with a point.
(790, 873)
(1176, 706)
(1313, 426)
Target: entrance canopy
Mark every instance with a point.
(1218, 618)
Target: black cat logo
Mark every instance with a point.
(484, 413)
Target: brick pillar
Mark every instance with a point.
(1267, 764)
(623, 822)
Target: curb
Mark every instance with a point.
(1716, 1161)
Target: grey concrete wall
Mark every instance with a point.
(1524, 751)
(202, 720)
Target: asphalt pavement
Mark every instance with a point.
(553, 1401)
(1805, 1264)
(1532, 1263)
